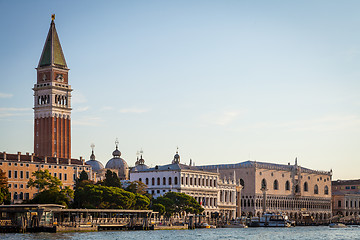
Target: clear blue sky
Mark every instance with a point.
(226, 81)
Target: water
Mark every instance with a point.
(321, 232)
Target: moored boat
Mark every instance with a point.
(271, 220)
(337, 225)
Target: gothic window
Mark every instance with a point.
(15, 195)
(339, 203)
(306, 187)
(326, 190)
(147, 181)
(182, 180)
(287, 186)
(191, 181)
(158, 181)
(139, 179)
(263, 184)
(164, 180)
(276, 185)
(242, 183)
(297, 188)
(175, 180)
(215, 183)
(316, 189)
(170, 182)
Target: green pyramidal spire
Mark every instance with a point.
(52, 54)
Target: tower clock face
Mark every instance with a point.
(59, 78)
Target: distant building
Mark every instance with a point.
(291, 189)
(19, 169)
(346, 198)
(213, 193)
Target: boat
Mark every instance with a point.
(235, 224)
(204, 225)
(337, 225)
(271, 220)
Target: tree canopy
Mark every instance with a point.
(44, 181)
(104, 197)
(137, 187)
(83, 176)
(111, 179)
(176, 203)
(50, 189)
(4, 190)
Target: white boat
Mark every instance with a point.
(271, 220)
(238, 223)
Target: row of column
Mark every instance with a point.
(227, 196)
(286, 204)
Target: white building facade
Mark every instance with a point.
(213, 194)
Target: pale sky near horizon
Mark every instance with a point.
(226, 81)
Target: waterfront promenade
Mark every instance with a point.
(303, 233)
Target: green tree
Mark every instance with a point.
(157, 207)
(50, 189)
(83, 176)
(176, 203)
(111, 179)
(4, 189)
(97, 196)
(44, 181)
(141, 202)
(137, 187)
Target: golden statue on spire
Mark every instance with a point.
(53, 17)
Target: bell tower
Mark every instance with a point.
(52, 100)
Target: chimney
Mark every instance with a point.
(82, 160)
(4, 156)
(32, 157)
(19, 156)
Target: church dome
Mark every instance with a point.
(119, 164)
(95, 164)
(116, 153)
(139, 165)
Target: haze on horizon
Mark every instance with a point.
(226, 81)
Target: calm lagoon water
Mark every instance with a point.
(321, 232)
